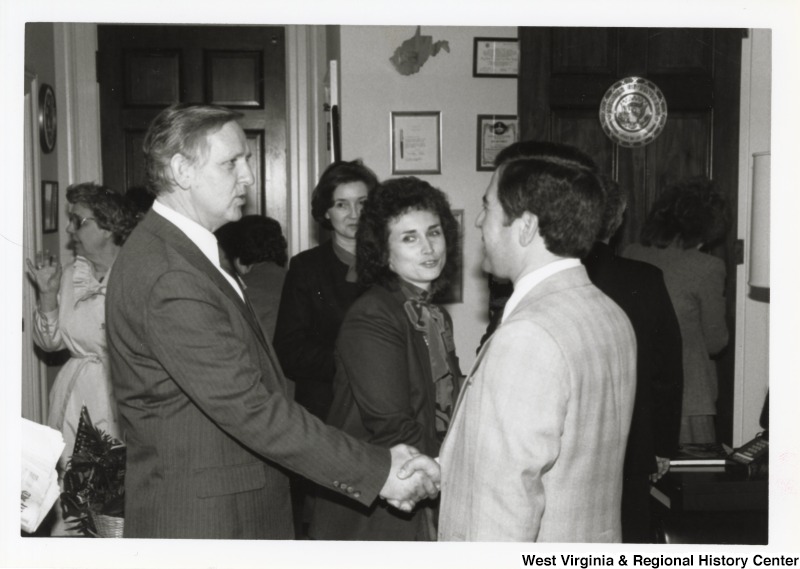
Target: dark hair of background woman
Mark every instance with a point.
(390, 200)
(252, 239)
(334, 176)
(110, 210)
(690, 212)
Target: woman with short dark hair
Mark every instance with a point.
(71, 312)
(321, 285)
(397, 375)
(687, 218)
(319, 288)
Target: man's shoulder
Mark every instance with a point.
(145, 255)
(628, 273)
(565, 300)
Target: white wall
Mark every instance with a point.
(371, 89)
(752, 316)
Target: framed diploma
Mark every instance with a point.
(495, 132)
(495, 57)
(416, 144)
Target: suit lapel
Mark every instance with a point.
(471, 374)
(195, 257)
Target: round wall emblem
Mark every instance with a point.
(47, 118)
(633, 112)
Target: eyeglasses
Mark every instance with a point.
(77, 221)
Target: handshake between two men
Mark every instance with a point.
(412, 477)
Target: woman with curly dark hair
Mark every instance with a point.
(71, 312)
(687, 218)
(397, 373)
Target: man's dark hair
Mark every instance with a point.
(553, 151)
(334, 176)
(252, 239)
(180, 129)
(567, 200)
(390, 200)
(614, 211)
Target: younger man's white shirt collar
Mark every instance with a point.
(529, 281)
(200, 236)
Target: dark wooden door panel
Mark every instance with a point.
(564, 73)
(582, 129)
(151, 77)
(144, 68)
(683, 51)
(584, 50)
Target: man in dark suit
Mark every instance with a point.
(210, 430)
(639, 289)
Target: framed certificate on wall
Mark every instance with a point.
(495, 132)
(416, 142)
(495, 57)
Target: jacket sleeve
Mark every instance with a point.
(200, 345)
(46, 330)
(667, 379)
(374, 350)
(712, 307)
(301, 351)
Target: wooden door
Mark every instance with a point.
(144, 68)
(564, 73)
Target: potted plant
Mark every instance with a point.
(94, 482)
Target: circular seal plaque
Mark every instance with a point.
(47, 118)
(633, 112)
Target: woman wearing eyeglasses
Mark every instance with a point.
(71, 313)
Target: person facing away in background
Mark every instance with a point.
(256, 249)
(537, 440)
(639, 289)
(688, 217)
(210, 430)
(71, 314)
(397, 373)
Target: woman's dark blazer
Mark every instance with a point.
(314, 300)
(384, 394)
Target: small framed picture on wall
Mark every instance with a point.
(454, 293)
(495, 57)
(49, 207)
(495, 132)
(416, 144)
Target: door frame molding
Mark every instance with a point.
(306, 65)
(77, 93)
(34, 396)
